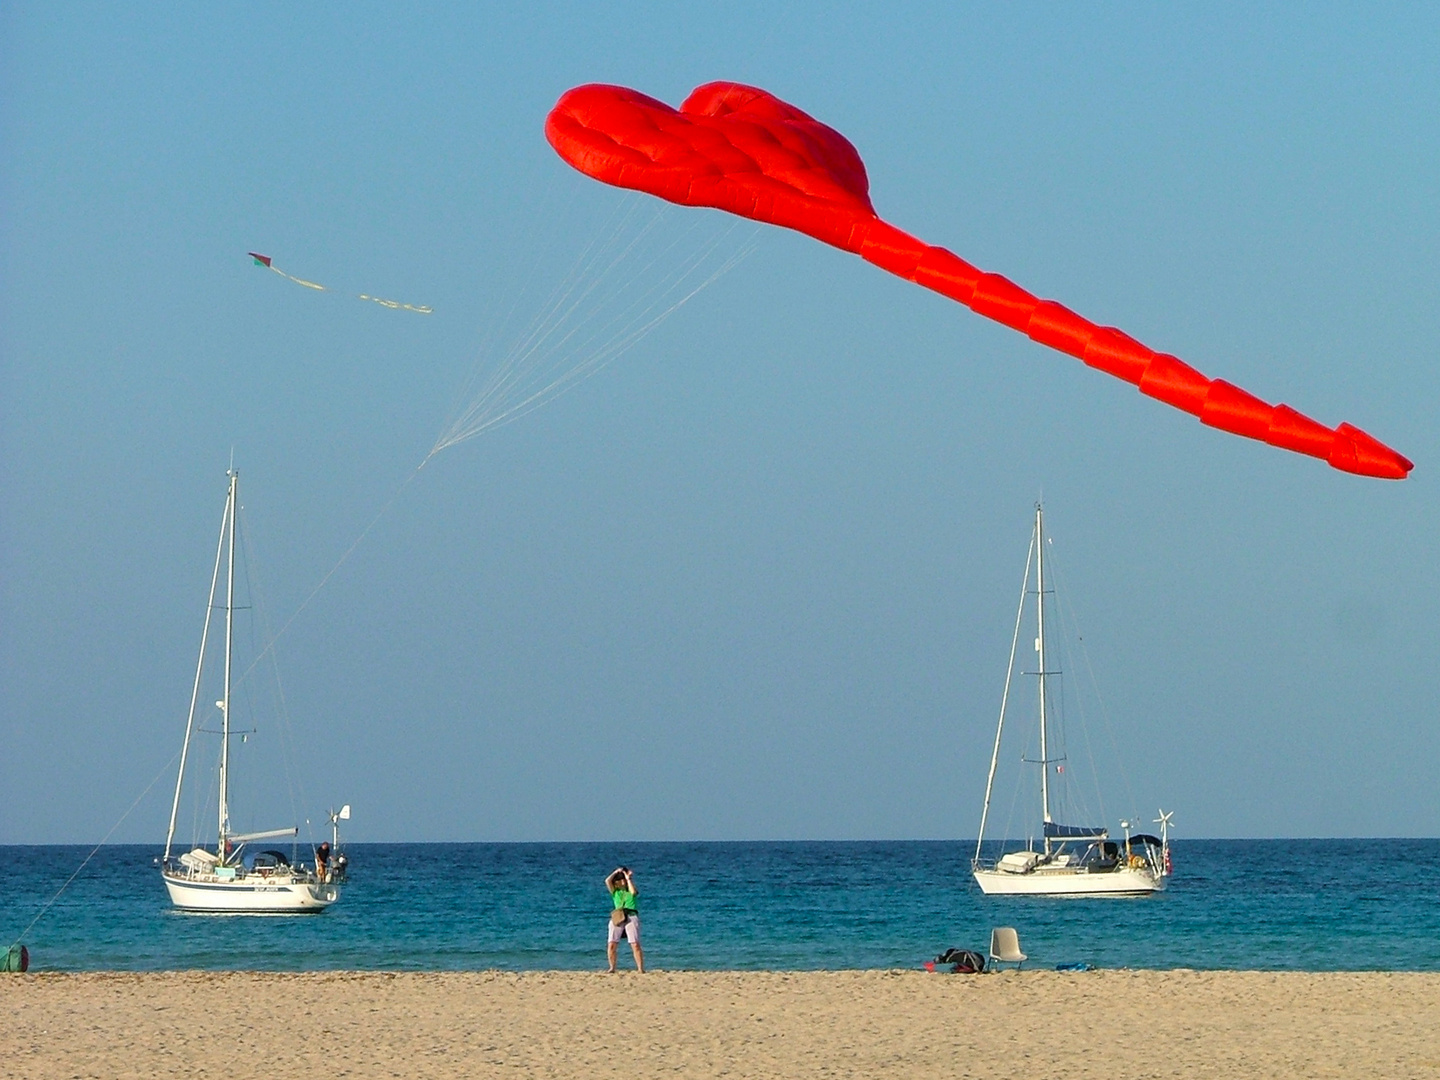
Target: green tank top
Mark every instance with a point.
(624, 898)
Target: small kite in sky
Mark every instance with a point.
(269, 264)
(740, 149)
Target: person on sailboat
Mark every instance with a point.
(624, 917)
(322, 861)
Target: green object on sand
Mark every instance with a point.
(17, 958)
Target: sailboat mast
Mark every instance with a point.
(1040, 648)
(225, 699)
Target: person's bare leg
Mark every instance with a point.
(610, 951)
(639, 957)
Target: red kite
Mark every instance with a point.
(741, 149)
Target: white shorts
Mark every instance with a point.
(629, 930)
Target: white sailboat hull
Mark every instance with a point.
(250, 895)
(1069, 881)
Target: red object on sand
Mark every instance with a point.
(741, 149)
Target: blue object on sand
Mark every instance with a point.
(1077, 966)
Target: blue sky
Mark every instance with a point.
(755, 579)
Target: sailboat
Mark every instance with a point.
(220, 880)
(1071, 860)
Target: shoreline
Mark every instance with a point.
(627, 969)
(1113, 1023)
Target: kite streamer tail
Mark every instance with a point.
(269, 264)
(1166, 378)
(421, 309)
(299, 281)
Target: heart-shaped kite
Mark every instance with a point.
(738, 148)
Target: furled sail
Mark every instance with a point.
(1072, 832)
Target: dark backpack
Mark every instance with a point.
(965, 961)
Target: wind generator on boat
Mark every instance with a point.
(1074, 860)
(219, 880)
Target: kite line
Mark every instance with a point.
(86, 861)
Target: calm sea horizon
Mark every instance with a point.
(1309, 905)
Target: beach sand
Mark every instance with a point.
(1034, 1025)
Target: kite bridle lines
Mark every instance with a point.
(620, 288)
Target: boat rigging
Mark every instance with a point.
(219, 880)
(1073, 860)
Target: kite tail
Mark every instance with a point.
(395, 305)
(1166, 378)
(269, 264)
(298, 281)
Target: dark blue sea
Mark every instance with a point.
(1310, 905)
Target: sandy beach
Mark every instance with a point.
(751, 1024)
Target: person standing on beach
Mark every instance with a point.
(624, 917)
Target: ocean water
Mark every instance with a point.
(1313, 905)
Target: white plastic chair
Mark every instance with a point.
(1005, 947)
